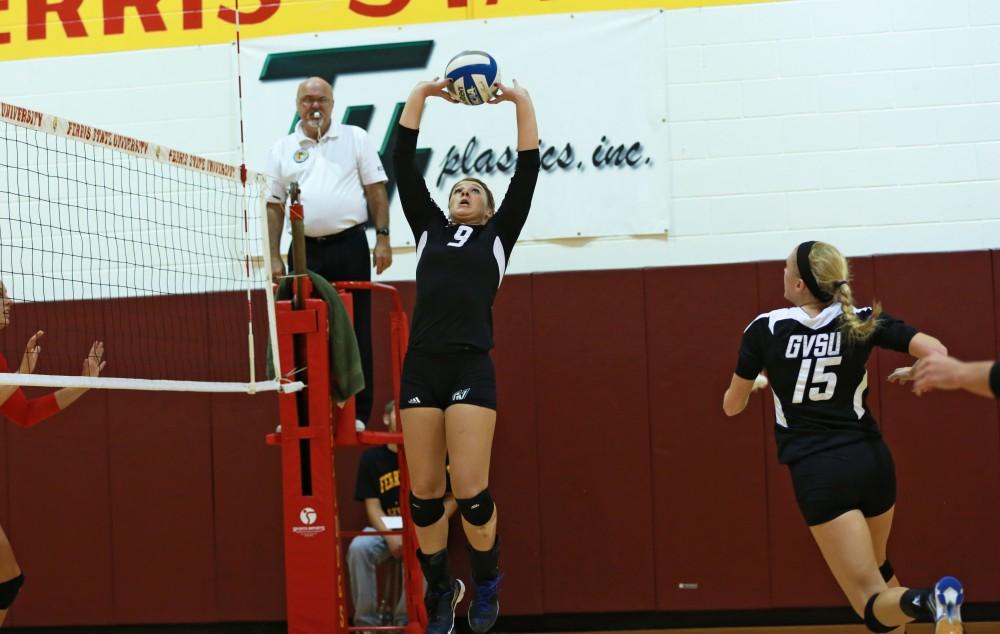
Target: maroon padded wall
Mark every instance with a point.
(593, 441)
(515, 467)
(58, 483)
(616, 474)
(161, 507)
(60, 516)
(249, 559)
(944, 444)
(706, 467)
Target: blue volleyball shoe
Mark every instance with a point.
(485, 607)
(946, 606)
(441, 608)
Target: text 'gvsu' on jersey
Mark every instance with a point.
(459, 267)
(817, 374)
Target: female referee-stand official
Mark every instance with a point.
(17, 407)
(842, 471)
(448, 394)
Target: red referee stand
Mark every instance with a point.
(311, 429)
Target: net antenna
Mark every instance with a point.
(159, 253)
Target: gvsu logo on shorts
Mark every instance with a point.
(308, 517)
(460, 395)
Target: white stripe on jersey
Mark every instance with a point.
(795, 313)
(500, 256)
(858, 394)
(421, 244)
(779, 414)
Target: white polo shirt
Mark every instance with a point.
(331, 175)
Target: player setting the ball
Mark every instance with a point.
(448, 393)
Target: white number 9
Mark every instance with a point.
(462, 235)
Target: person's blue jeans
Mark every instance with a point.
(363, 555)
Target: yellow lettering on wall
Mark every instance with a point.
(49, 28)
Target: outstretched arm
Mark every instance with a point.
(418, 207)
(513, 212)
(921, 345)
(527, 124)
(413, 110)
(941, 372)
(16, 406)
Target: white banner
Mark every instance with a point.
(599, 85)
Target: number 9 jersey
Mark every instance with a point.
(459, 267)
(817, 373)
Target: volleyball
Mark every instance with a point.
(474, 76)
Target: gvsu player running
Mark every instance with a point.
(448, 394)
(844, 478)
(17, 407)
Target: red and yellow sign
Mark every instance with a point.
(45, 28)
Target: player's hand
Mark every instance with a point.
(395, 544)
(94, 362)
(31, 352)
(382, 255)
(436, 88)
(515, 93)
(277, 269)
(902, 375)
(937, 371)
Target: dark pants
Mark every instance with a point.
(342, 258)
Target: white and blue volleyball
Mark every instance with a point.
(474, 76)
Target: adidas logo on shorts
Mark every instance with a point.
(414, 401)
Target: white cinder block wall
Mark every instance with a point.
(874, 124)
(871, 123)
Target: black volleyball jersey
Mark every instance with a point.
(817, 375)
(459, 267)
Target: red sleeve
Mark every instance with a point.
(27, 412)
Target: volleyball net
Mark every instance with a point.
(159, 254)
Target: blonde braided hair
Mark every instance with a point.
(833, 276)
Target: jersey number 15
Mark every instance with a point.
(819, 376)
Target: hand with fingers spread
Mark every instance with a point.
(435, 88)
(31, 352)
(515, 93)
(94, 362)
(413, 109)
(14, 404)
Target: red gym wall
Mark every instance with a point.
(616, 473)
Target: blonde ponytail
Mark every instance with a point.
(830, 268)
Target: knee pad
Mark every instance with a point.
(871, 622)
(426, 512)
(478, 509)
(887, 572)
(9, 590)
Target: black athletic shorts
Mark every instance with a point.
(829, 483)
(443, 379)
